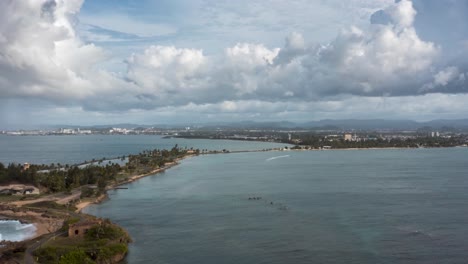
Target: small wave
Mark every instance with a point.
(13, 230)
(413, 232)
(24, 226)
(277, 157)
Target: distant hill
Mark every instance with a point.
(357, 124)
(123, 125)
(326, 124)
(367, 124)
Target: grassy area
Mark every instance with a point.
(9, 198)
(51, 205)
(14, 198)
(69, 222)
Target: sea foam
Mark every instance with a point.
(13, 230)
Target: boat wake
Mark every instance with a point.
(277, 157)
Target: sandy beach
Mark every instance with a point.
(81, 205)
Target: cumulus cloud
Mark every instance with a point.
(294, 46)
(386, 60)
(445, 76)
(163, 68)
(449, 78)
(42, 56)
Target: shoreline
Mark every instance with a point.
(40, 228)
(43, 224)
(82, 205)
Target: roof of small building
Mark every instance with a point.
(85, 223)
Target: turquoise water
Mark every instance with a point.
(76, 149)
(349, 206)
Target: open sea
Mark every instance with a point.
(336, 206)
(339, 206)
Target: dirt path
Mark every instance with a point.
(28, 253)
(59, 198)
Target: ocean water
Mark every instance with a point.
(77, 149)
(13, 230)
(342, 206)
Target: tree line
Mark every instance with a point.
(66, 178)
(316, 141)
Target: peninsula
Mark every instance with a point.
(52, 197)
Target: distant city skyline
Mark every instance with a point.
(196, 61)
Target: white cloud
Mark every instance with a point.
(384, 60)
(402, 13)
(43, 57)
(167, 74)
(445, 76)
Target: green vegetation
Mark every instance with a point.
(149, 160)
(68, 222)
(102, 244)
(317, 141)
(77, 256)
(57, 178)
(104, 231)
(51, 205)
(333, 137)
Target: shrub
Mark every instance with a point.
(76, 256)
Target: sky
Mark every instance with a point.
(195, 61)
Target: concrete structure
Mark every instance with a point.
(19, 189)
(67, 131)
(81, 228)
(348, 137)
(296, 141)
(26, 166)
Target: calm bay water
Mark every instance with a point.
(76, 149)
(349, 206)
(355, 206)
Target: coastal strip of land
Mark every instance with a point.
(52, 197)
